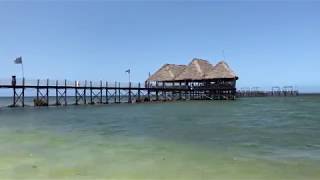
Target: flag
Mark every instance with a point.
(128, 71)
(18, 60)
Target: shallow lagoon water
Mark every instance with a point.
(250, 138)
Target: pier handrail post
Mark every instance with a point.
(107, 91)
(65, 92)
(100, 91)
(13, 83)
(91, 100)
(85, 92)
(38, 81)
(139, 92)
(149, 97)
(23, 87)
(57, 100)
(129, 99)
(47, 92)
(119, 93)
(115, 92)
(76, 91)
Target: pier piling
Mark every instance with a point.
(107, 93)
(129, 94)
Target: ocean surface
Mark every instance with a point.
(250, 138)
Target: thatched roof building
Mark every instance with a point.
(197, 70)
(167, 72)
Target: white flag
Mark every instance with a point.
(18, 60)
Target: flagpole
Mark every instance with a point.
(129, 72)
(22, 70)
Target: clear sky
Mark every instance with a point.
(265, 43)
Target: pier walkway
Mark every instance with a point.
(88, 92)
(55, 93)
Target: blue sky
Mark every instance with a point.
(265, 43)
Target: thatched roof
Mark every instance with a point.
(198, 69)
(167, 72)
(221, 70)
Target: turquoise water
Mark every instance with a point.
(251, 138)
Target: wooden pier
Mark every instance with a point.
(88, 92)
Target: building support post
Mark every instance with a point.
(185, 95)
(157, 92)
(180, 97)
(149, 97)
(164, 92)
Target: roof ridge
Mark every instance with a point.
(198, 67)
